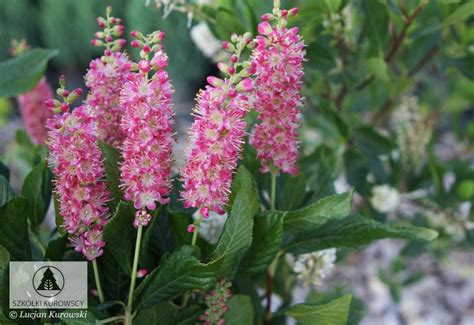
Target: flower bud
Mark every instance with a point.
(267, 17)
(214, 81)
(293, 12)
(190, 228)
(135, 43)
(245, 85)
(234, 58)
(265, 28)
(99, 34)
(247, 38)
(64, 107)
(144, 66)
(234, 38)
(141, 273)
(223, 67)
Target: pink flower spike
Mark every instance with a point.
(36, 108)
(265, 28)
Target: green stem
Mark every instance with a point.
(97, 282)
(273, 192)
(196, 229)
(135, 267)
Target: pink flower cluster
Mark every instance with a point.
(34, 111)
(105, 78)
(77, 162)
(148, 123)
(216, 137)
(278, 58)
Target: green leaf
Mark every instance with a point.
(333, 5)
(37, 190)
(290, 191)
(236, 236)
(376, 24)
(460, 14)
(268, 234)
(318, 213)
(56, 249)
(22, 73)
(378, 68)
(245, 181)
(119, 236)
(6, 192)
(180, 272)
(335, 312)
(228, 23)
(90, 319)
(112, 161)
(353, 231)
(163, 313)
(4, 171)
(189, 315)
(240, 311)
(14, 229)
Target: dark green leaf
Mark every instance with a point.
(290, 191)
(180, 272)
(189, 315)
(163, 313)
(376, 24)
(228, 23)
(112, 161)
(6, 192)
(14, 229)
(353, 231)
(245, 181)
(56, 249)
(268, 236)
(240, 311)
(22, 73)
(318, 213)
(37, 190)
(335, 312)
(4, 171)
(119, 236)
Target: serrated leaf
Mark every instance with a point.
(162, 313)
(14, 229)
(179, 273)
(112, 161)
(268, 236)
(291, 192)
(316, 214)
(119, 236)
(240, 311)
(6, 192)
(37, 190)
(22, 73)
(335, 312)
(353, 231)
(245, 181)
(376, 23)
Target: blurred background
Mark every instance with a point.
(389, 111)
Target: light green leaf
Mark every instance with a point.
(333, 5)
(378, 68)
(335, 312)
(353, 231)
(22, 73)
(318, 213)
(119, 236)
(291, 191)
(240, 311)
(37, 190)
(14, 229)
(112, 161)
(268, 234)
(6, 192)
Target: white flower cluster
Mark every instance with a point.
(206, 42)
(413, 131)
(312, 268)
(385, 199)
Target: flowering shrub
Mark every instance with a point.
(256, 212)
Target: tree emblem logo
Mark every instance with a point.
(48, 281)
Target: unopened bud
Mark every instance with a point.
(293, 12)
(265, 28)
(214, 81)
(223, 67)
(245, 85)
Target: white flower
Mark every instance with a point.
(385, 198)
(341, 185)
(211, 228)
(202, 36)
(311, 268)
